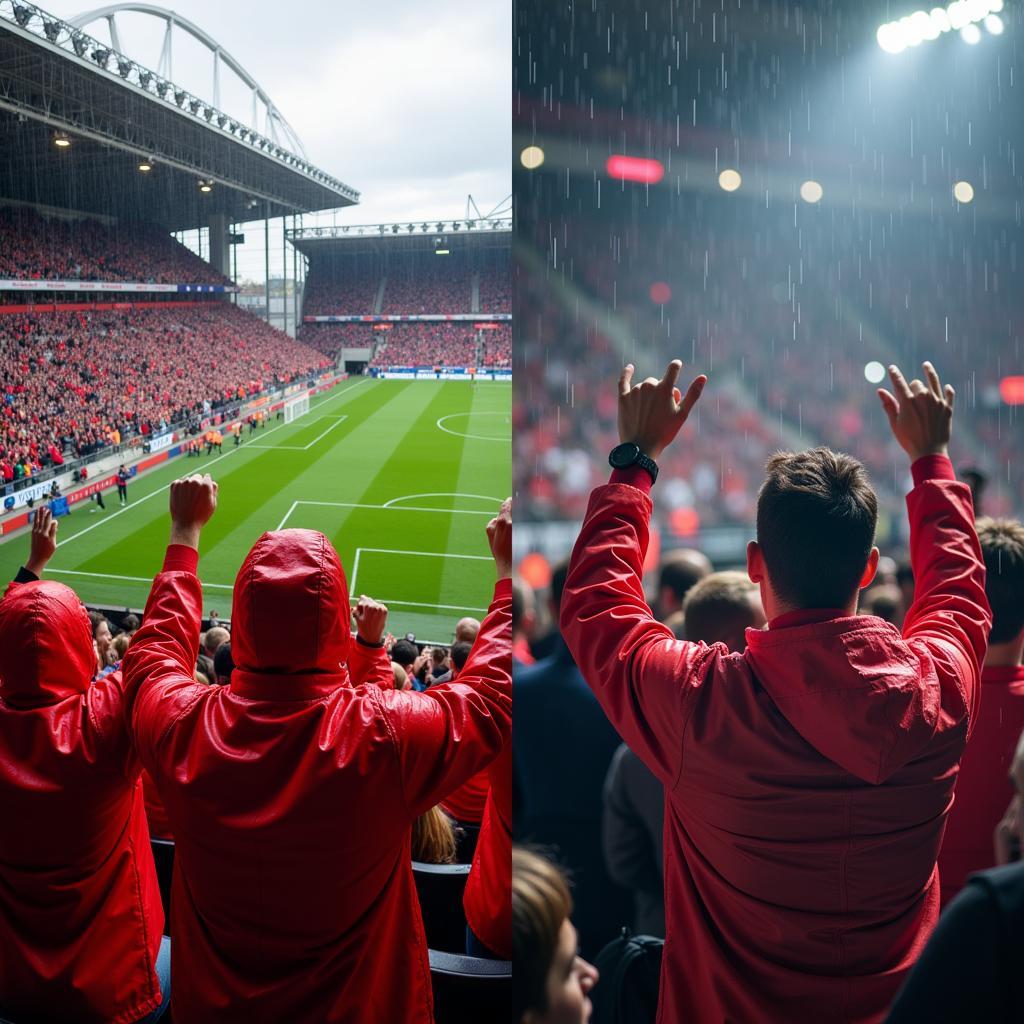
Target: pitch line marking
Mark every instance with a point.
(130, 579)
(425, 554)
(441, 494)
(474, 437)
(152, 494)
(301, 447)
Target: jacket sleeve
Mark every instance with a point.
(369, 665)
(159, 666)
(448, 733)
(950, 618)
(643, 677)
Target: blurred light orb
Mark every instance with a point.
(730, 180)
(963, 191)
(963, 16)
(532, 157)
(971, 34)
(811, 192)
(660, 293)
(890, 38)
(994, 24)
(874, 372)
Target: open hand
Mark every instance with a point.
(370, 617)
(193, 501)
(652, 412)
(44, 540)
(920, 415)
(499, 536)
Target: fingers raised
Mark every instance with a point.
(693, 392)
(672, 374)
(899, 383)
(626, 379)
(933, 380)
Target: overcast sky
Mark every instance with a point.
(408, 102)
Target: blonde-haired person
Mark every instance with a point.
(433, 838)
(552, 981)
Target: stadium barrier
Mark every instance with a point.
(17, 285)
(441, 373)
(377, 318)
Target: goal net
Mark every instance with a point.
(296, 407)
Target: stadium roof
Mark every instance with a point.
(404, 237)
(54, 78)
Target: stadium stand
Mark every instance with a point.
(427, 285)
(343, 287)
(74, 382)
(427, 344)
(48, 248)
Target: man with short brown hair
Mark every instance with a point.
(808, 778)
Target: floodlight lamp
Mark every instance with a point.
(52, 30)
(61, 140)
(144, 79)
(180, 97)
(208, 113)
(78, 41)
(124, 68)
(194, 106)
(205, 186)
(22, 15)
(221, 120)
(145, 166)
(101, 56)
(161, 88)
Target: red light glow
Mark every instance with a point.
(660, 293)
(1011, 389)
(635, 168)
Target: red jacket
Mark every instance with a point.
(467, 802)
(983, 788)
(487, 900)
(808, 779)
(292, 794)
(80, 914)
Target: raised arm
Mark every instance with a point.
(42, 545)
(368, 660)
(159, 667)
(643, 677)
(448, 733)
(950, 618)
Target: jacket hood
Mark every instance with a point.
(46, 646)
(852, 688)
(290, 614)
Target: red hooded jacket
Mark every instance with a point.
(983, 788)
(487, 900)
(807, 779)
(80, 913)
(292, 793)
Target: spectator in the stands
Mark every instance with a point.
(466, 629)
(552, 979)
(433, 838)
(563, 746)
(223, 665)
(101, 635)
(717, 610)
(79, 901)
(979, 802)
(679, 571)
(523, 619)
(283, 760)
(213, 639)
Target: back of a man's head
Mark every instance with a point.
(404, 652)
(720, 607)
(1002, 547)
(467, 629)
(460, 654)
(680, 571)
(816, 515)
(215, 636)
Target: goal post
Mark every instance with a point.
(296, 406)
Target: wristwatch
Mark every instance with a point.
(628, 454)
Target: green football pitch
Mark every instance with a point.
(401, 476)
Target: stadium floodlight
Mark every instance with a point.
(221, 120)
(194, 105)
(960, 16)
(145, 166)
(101, 56)
(208, 113)
(124, 68)
(730, 180)
(52, 30)
(811, 192)
(205, 186)
(80, 43)
(161, 88)
(144, 79)
(61, 140)
(22, 15)
(963, 191)
(180, 96)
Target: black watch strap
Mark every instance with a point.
(628, 454)
(646, 462)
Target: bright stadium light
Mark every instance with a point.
(963, 191)
(532, 157)
(205, 186)
(811, 192)
(730, 180)
(145, 166)
(61, 139)
(874, 372)
(961, 16)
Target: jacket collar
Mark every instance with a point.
(805, 616)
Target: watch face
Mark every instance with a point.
(624, 455)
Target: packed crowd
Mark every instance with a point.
(680, 763)
(202, 746)
(330, 339)
(498, 346)
(348, 286)
(34, 247)
(785, 320)
(496, 287)
(441, 286)
(427, 344)
(75, 382)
